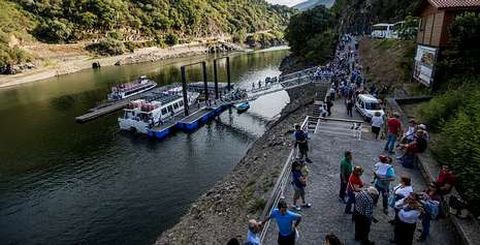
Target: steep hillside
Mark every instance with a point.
(165, 22)
(357, 16)
(387, 61)
(309, 4)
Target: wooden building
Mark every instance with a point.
(436, 17)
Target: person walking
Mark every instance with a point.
(329, 104)
(384, 174)
(287, 222)
(408, 216)
(354, 186)
(349, 105)
(394, 128)
(377, 123)
(301, 140)
(299, 183)
(363, 214)
(345, 171)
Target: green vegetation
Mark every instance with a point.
(167, 22)
(12, 32)
(455, 113)
(311, 35)
(71, 20)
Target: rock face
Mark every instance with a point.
(14, 69)
(293, 63)
(223, 211)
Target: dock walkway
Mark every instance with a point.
(327, 213)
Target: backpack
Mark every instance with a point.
(432, 208)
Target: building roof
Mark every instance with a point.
(447, 4)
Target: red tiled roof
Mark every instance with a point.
(441, 4)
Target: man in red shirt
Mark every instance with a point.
(445, 180)
(394, 128)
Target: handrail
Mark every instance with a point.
(279, 187)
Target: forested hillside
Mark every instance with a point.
(165, 21)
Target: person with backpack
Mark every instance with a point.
(383, 175)
(430, 199)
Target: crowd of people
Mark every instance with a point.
(405, 205)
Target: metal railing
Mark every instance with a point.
(279, 188)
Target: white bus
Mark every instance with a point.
(382, 30)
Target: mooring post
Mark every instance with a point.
(205, 84)
(228, 73)
(215, 78)
(184, 89)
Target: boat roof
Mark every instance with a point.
(163, 98)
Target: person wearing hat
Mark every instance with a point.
(287, 222)
(301, 140)
(363, 214)
(384, 174)
(409, 135)
(394, 128)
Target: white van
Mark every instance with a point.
(367, 105)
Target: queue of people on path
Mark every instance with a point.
(409, 207)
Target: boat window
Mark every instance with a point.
(180, 103)
(164, 111)
(170, 108)
(175, 106)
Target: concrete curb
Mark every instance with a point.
(468, 229)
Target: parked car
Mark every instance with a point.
(367, 105)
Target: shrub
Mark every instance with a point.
(171, 39)
(107, 46)
(456, 116)
(130, 46)
(54, 31)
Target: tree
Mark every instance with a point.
(310, 34)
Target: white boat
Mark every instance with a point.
(126, 90)
(141, 115)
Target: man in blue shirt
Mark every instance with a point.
(285, 219)
(301, 141)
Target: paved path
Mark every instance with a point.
(326, 215)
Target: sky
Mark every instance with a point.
(286, 2)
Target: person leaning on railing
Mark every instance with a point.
(287, 222)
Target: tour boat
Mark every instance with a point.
(126, 90)
(242, 107)
(141, 115)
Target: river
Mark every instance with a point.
(68, 183)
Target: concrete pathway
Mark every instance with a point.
(326, 214)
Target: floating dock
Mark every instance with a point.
(188, 124)
(102, 110)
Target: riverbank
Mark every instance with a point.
(223, 211)
(62, 60)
